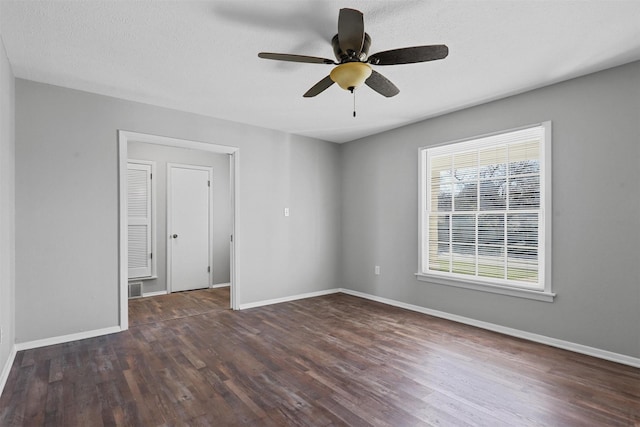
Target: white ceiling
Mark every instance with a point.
(202, 56)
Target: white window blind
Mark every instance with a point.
(139, 219)
(483, 209)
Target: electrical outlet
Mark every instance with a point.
(286, 211)
(376, 270)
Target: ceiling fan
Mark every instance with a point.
(351, 49)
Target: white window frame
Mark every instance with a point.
(542, 291)
(153, 252)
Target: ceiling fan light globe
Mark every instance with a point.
(350, 75)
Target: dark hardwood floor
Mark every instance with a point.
(187, 360)
(174, 306)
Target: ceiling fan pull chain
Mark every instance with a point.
(354, 102)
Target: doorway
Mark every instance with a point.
(124, 138)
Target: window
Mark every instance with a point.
(485, 213)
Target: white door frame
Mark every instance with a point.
(234, 157)
(169, 220)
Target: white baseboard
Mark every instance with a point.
(154, 294)
(553, 342)
(66, 338)
(220, 285)
(7, 368)
(289, 298)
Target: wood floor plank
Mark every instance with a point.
(335, 360)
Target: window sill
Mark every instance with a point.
(136, 279)
(496, 289)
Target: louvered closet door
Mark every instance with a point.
(139, 224)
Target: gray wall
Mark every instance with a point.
(7, 207)
(162, 155)
(67, 206)
(352, 207)
(596, 211)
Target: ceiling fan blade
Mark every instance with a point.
(350, 30)
(319, 87)
(295, 58)
(410, 55)
(381, 84)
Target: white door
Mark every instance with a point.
(188, 226)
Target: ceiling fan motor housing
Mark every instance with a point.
(351, 56)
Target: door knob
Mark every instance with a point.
(175, 236)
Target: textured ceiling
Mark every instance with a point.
(202, 56)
